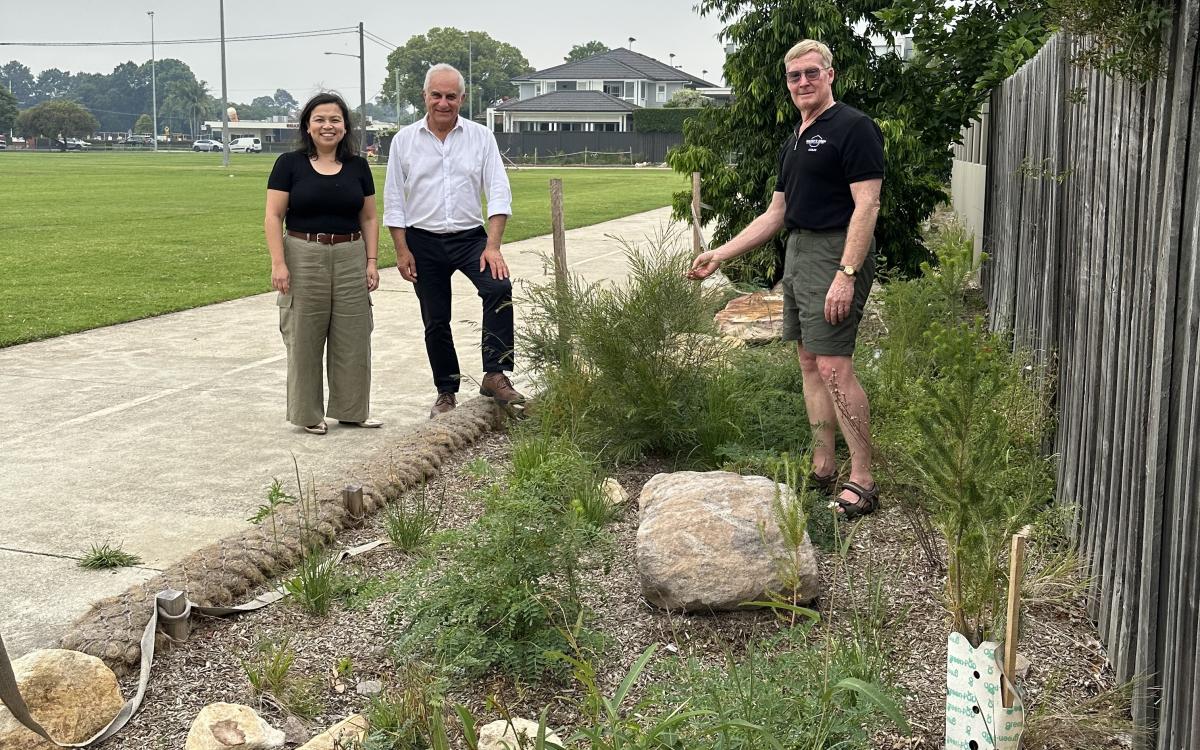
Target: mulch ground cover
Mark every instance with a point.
(1058, 639)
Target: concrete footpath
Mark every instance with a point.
(163, 435)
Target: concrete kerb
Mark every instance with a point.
(227, 571)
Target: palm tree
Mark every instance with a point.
(188, 100)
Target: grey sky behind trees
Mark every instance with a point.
(543, 30)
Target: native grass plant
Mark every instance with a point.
(105, 556)
(633, 370)
(411, 521)
(315, 586)
(1052, 724)
(403, 716)
(271, 680)
(512, 582)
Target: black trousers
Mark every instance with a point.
(437, 257)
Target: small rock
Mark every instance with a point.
(224, 725)
(615, 493)
(346, 733)
(1022, 666)
(499, 734)
(369, 687)
(71, 694)
(295, 731)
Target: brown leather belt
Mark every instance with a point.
(325, 238)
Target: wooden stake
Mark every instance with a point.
(172, 607)
(696, 239)
(352, 496)
(1016, 571)
(560, 235)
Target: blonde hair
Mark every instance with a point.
(809, 45)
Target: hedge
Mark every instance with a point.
(661, 120)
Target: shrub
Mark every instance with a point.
(512, 585)
(662, 120)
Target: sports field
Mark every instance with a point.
(88, 240)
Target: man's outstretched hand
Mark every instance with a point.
(704, 265)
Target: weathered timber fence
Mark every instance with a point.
(1093, 230)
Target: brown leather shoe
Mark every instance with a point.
(446, 401)
(499, 387)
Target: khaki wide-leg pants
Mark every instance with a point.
(328, 302)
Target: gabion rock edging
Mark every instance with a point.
(225, 572)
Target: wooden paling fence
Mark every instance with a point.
(1093, 230)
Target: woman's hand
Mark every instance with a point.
(372, 277)
(281, 279)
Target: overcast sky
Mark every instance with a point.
(544, 31)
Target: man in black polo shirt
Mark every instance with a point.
(827, 196)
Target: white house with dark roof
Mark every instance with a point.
(599, 93)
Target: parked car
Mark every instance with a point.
(246, 145)
(3, 143)
(207, 144)
(72, 144)
(18, 142)
(139, 139)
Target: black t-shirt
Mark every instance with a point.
(816, 168)
(318, 202)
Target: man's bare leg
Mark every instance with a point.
(821, 414)
(853, 413)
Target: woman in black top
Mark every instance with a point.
(324, 266)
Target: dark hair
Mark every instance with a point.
(347, 147)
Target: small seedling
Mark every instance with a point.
(107, 556)
(409, 524)
(314, 584)
(479, 468)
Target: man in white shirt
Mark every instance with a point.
(437, 169)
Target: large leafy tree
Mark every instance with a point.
(8, 110)
(493, 65)
(18, 79)
(188, 101)
(57, 118)
(586, 50)
(921, 105)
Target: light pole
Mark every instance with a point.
(631, 41)
(396, 85)
(672, 56)
(153, 84)
(362, 76)
(470, 79)
(224, 97)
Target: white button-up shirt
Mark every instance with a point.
(436, 185)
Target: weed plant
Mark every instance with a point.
(105, 556)
(410, 524)
(512, 583)
(315, 584)
(271, 680)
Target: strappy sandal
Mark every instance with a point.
(823, 484)
(368, 423)
(867, 503)
(316, 429)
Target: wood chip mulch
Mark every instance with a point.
(1059, 640)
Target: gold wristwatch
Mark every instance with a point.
(848, 270)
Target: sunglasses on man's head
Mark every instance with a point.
(812, 74)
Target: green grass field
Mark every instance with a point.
(88, 240)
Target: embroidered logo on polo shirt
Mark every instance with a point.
(814, 142)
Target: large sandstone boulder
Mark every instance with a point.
(72, 695)
(499, 735)
(219, 726)
(755, 318)
(708, 541)
(346, 733)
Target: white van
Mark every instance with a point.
(246, 145)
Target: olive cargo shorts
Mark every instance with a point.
(327, 302)
(812, 261)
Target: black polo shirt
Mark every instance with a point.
(816, 167)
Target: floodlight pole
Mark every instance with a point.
(396, 85)
(362, 82)
(153, 84)
(470, 78)
(224, 96)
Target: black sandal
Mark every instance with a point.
(867, 503)
(823, 484)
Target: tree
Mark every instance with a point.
(921, 104)
(688, 99)
(144, 125)
(584, 51)
(59, 118)
(51, 83)
(284, 100)
(493, 64)
(188, 101)
(18, 79)
(8, 110)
